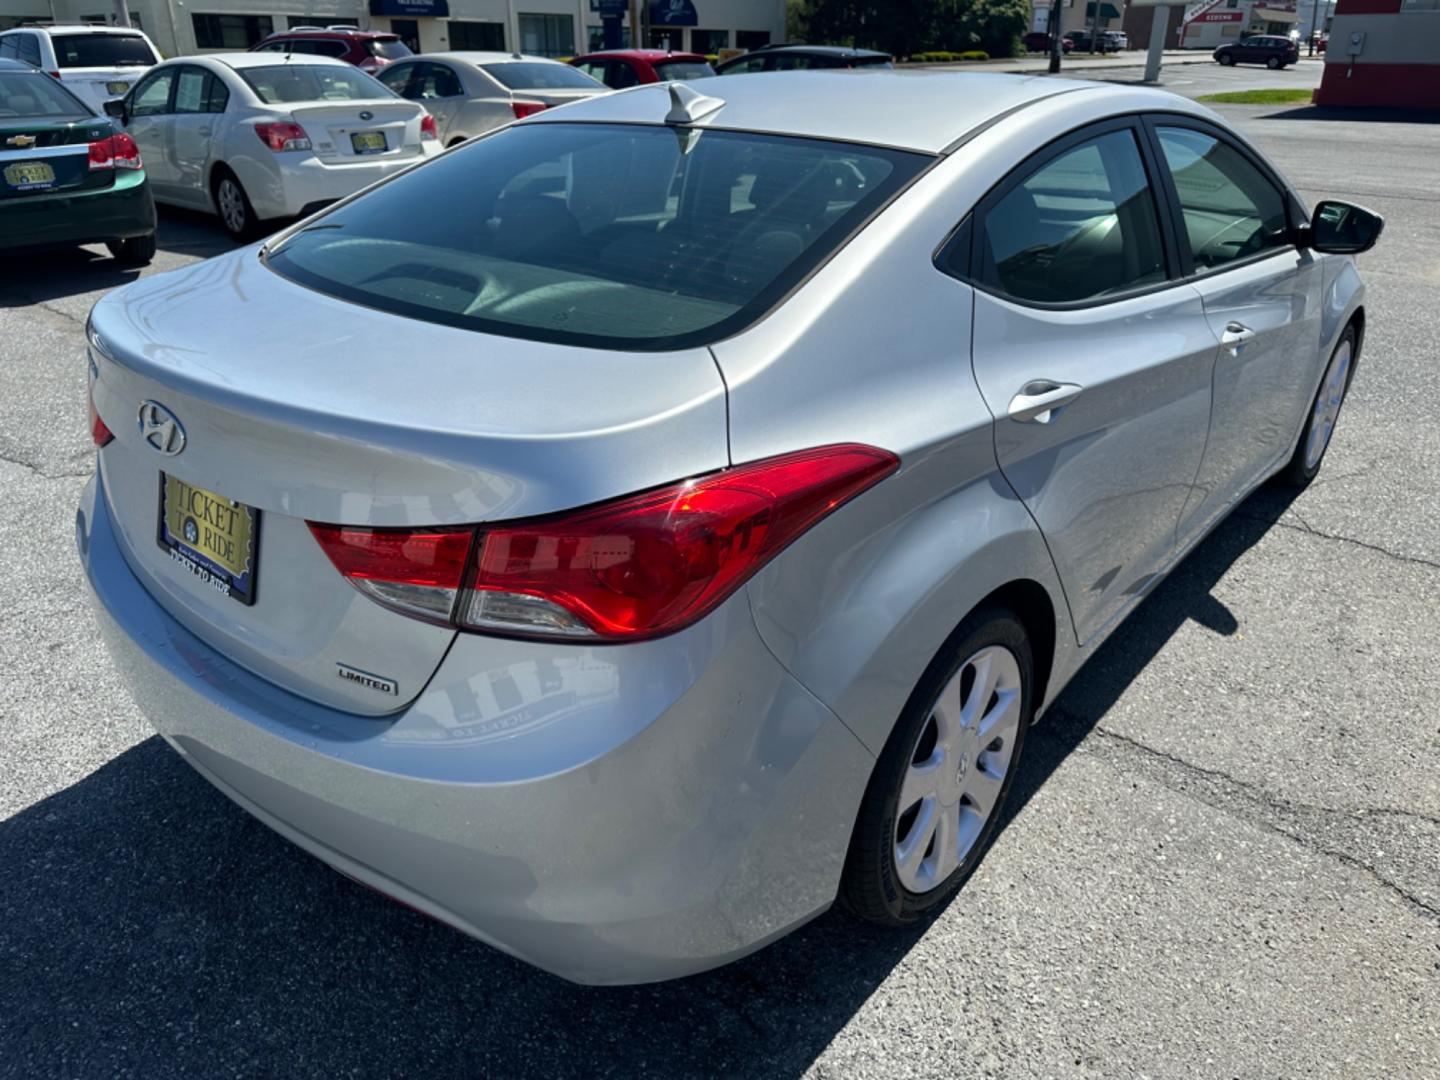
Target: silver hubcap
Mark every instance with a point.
(232, 206)
(1327, 405)
(957, 768)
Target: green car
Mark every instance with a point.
(68, 176)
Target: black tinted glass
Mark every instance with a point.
(102, 50)
(523, 76)
(611, 235)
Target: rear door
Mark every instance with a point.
(1262, 299)
(1094, 360)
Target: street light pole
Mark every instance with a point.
(1055, 49)
(122, 13)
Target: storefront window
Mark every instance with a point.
(709, 41)
(751, 39)
(476, 36)
(547, 35)
(596, 36)
(230, 31)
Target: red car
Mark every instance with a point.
(619, 68)
(369, 50)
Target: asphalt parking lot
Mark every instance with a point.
(1222, 856)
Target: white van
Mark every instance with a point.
(96, 63)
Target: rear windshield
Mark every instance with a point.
(388, 48)
(285, 84)
(621, 236)
(102, 50)
(523, 76)
(684, 69)
(25, 95)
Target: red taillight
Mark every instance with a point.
(283, 135)
(53, 74)
(101, 434)
(115, 152)
(428, 130)
(415, 571)
(523, 109)
(635, 568)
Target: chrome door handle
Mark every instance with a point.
(1041, 399)
(1235, 335)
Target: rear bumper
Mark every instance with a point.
(613, 815)
(299, 183)
(123, 210)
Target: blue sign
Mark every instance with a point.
(673, 13)
(412, 9)
(615, 9)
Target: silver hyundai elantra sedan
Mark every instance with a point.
(632, 531)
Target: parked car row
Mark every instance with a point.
(307, 116)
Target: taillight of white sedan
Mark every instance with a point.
(256, 136)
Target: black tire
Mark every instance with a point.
(1298, 472)
(1226, 60)
(1274, 63)
(133, 250)
(240, 222)
(870, 888)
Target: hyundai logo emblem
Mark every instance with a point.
(160, 429)
(366, 114)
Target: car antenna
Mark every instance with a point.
(688, 106)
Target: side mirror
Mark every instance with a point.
(115, 107)
(1341, 228)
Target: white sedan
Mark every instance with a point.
(470, 93)
(254, 136)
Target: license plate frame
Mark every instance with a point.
(30, 176)
(117, 88)
(187, 550)
(365, 142)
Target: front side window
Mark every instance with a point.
(434, 81)
(29, 49)
(24, 94)
(152, 96)
(612, 235)
(520, 75)
(1081, 227)
(292, 83)
(102, 50)
(398, 78)
(1231, 210)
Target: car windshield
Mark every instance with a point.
(387, 48)
(535, 76)
(102, 50)
(621, 236)
(286, 84)
(25, 94)
(683, 69)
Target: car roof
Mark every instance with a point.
(475, 56)
(79, 28)
(652, 55)
(239, 60)
(821, 50)
(324, 32)
(909, 110)
(18, 65)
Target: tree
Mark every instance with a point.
(903, 27)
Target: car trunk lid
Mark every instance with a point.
(344, 415)
(41, 158)
(359, 130)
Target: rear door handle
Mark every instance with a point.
(1039, 400)
(1235, 335)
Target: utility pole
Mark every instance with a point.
(1055, 47)
(1094, 26)
(635, 24)
(122, 13)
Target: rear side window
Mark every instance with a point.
(1231, 210)
(622, 236)
(387, 48)
(1080, 227)
(102, 50)
(292, 83)
(530, 76)
(25, 95)
(28, 48)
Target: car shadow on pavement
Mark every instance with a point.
(1357, 115)
(149, 927)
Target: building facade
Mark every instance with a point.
(1383, 53)
(540, 27)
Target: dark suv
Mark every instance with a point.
(802, 58)
(369, 50)
(1272, 51)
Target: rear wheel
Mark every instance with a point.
(233, 206)
(1274, 63)
(133, 250)
(937, 790)
(1226, 60)
(1324, 413)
